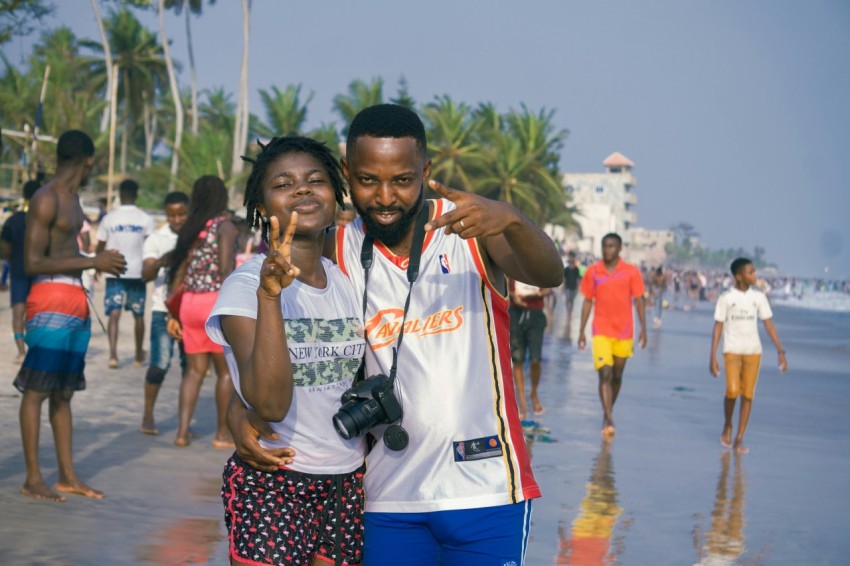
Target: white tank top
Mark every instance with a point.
(454, 382)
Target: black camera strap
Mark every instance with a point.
(366, 256)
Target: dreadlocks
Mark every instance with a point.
(268, 154)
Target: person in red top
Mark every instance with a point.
(528, 323)
(609, 287)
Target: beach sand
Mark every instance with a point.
(663, 492)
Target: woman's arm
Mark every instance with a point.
(226, 235)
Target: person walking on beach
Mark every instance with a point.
(58, 326)
(572, 276)
(528, 323)
(156, 258)
(459, 489)
(125, 229)
(736, 317)
(609, 287)
(292, 330)
(657, 290)
(12, 249)
(204, 256)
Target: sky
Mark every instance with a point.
(736, 114)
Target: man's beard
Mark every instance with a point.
(389, 234)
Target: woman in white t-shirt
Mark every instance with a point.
(292, 332)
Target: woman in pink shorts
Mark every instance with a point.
(204, 256)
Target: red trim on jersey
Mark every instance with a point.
(478, 258)
(340, 256)
(519, 472)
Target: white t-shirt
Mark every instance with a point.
(157, 245)
(740, 312)
(125, 229)
(324, 331)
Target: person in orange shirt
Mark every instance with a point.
(609, 286)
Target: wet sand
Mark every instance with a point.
(663, 492)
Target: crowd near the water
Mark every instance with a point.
(405, 328)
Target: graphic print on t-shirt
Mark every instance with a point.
(323, 351)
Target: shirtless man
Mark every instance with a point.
(58, 326)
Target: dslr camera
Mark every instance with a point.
(366, 404)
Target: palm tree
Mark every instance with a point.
(219, 111)
(73, 99)
(107, 53)
(17, 17)
(360, 95)
(175, 96)
(451, 142)
(190, 7)
(285, 113)
(520, 162)
(240, 126)
(142, 71)
(403, 96)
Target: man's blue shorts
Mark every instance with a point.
(465, 537)
(127, 293)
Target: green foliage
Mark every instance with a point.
(513, 156)
(687, 251)
(17, 17)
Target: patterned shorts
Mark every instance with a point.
(288, 517)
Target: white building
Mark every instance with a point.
(606, 203)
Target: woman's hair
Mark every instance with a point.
(209, 199)
(268, 154)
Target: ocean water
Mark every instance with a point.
(826, 301)
(665, 491)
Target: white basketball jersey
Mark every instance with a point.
(454, 380)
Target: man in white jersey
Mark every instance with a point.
(736, 317)
(460, 491)
(125, 229)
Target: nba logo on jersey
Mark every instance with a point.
(444, 263)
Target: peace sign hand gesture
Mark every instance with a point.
(278, 272)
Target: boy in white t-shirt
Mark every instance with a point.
(736, 317)
(156, 258)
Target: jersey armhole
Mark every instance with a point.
(338, 245)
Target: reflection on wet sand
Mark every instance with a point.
(591, 535)
(724, 542)
(184, 541)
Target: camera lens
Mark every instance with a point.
(355, 418)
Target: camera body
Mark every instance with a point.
(366, 404)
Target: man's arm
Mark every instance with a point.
(640, 303)
(713, 366)
(150, 267)
(42, 212)
(246, 429)
(586, 306)
(774, 336)
(514, 244)
(227, 233)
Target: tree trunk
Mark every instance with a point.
(149, 122)
(107, 53)
(240, 128)
(194, 74)
(175, 94)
